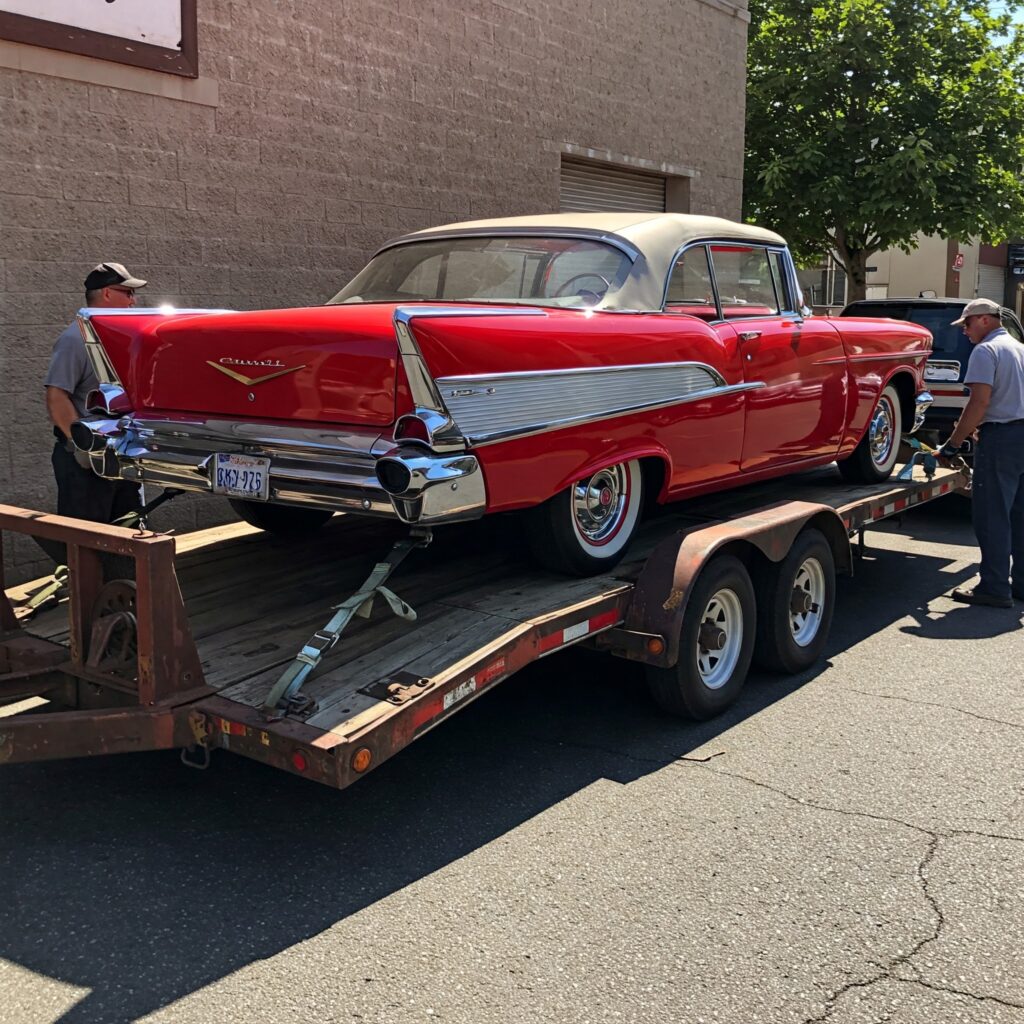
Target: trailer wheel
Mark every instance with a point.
(795, 601)
(872, 461)
(282, 520)
(716, 642)
(585, 529)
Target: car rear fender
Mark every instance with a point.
(654, 460)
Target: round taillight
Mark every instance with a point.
(361, 759)
(393, 475)
(412, 428)
(299, 762)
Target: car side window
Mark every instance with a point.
(786, 301)
(690, 289)
(746, 287)
(1011, 325)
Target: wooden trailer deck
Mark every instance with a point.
(252, 601)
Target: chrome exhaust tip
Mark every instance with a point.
(85, 439)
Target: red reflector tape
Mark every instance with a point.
(580, 629)
(492, 671)
(231, 728)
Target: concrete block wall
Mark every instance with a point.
(314, 133)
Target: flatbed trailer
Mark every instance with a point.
(187, 654)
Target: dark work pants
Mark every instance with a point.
(998, 507)
(82, 494)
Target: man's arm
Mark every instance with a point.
(971, 417)
(61, 409)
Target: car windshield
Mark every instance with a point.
(534, 271)
(937, 319)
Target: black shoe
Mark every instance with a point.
(972, 595)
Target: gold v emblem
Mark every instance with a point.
(251, 381)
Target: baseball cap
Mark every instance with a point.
(111, 275)
(976, 307)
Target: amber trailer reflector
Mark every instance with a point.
(655, 645)
(361, 759)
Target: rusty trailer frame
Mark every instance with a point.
(104, 695)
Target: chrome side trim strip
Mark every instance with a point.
(493, 437)
(864, 357)
(470, 378)
(507, 404)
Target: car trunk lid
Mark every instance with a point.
(330, 364)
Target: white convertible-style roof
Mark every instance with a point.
(653, 239)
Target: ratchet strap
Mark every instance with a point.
(925, 456)
(281, 697)
(47, 594)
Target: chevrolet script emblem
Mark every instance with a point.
(251, 381)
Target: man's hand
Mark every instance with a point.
(949, 450)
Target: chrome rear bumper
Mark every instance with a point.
(308, 468)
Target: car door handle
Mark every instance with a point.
(749, 335)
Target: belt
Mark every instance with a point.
(1003, 423)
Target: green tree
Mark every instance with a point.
(869, 121)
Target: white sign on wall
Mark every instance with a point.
(157, 22)
(156, 34)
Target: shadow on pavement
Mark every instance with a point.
(143, 882)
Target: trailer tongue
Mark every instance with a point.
(203, 648)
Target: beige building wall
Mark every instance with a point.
(314, 133)
(925, 269)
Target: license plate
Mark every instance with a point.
(242, 476)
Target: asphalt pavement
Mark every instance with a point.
(846, 845)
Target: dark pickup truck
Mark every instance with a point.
(944, 372)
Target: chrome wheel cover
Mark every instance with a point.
(882, 432)
(807, 604)
(723, 613)
(601, 504)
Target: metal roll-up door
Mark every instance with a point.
(991, 283)
(591, 188)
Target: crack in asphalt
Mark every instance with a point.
(940, 920)
(962, 992)
(833, 1000)
(803, 802)
(903, 959)
(682, 759)
(937, 704)
(921, 877)
(983, 835)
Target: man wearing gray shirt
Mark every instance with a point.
(995, 375)
(82, 494)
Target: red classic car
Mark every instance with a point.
(571, 367)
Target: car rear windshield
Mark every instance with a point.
(535, 271)
(938, 320)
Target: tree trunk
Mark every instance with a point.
(856, 263)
